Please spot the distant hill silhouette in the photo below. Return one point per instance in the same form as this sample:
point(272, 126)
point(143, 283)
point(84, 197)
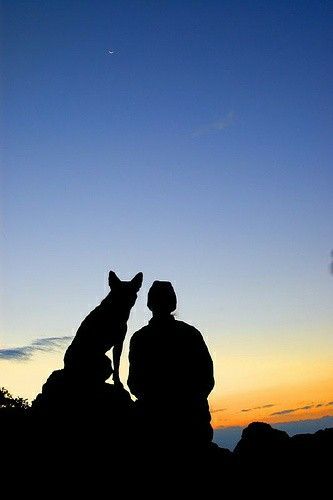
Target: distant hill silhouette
point(228, 437)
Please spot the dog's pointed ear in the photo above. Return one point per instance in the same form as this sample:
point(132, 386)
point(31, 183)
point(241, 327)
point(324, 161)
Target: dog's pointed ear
point(113, 279)
point(137, 281)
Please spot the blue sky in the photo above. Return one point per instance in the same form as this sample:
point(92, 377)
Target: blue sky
point(199, 152)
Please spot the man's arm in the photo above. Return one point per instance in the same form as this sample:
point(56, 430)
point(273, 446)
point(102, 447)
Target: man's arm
point(136, 376)
point(204, 369)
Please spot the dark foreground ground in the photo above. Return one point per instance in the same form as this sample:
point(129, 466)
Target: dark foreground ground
point(49, 460)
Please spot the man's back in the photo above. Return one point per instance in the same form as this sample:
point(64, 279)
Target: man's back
point(169, 359)
point(171, 374)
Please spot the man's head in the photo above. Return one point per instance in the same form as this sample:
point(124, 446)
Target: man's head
point(162, 298)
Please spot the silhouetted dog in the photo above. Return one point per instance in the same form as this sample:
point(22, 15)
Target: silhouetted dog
point(105, 327)
point(79, 389)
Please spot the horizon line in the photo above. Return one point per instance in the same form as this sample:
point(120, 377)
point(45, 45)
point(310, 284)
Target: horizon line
point(272, 423)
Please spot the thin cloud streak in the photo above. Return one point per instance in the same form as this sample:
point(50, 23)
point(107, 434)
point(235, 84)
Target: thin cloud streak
point(222, 124)
point(284, 412)
point(306, 407)
point(287, 411)
point(24, 353)
point(270, 405)
point(218, 410)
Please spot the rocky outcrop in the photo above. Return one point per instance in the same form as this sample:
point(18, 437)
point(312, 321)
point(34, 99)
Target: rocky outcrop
point(273, 452)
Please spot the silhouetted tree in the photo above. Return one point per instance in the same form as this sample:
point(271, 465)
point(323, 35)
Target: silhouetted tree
point(14, 417)
point(8, 401)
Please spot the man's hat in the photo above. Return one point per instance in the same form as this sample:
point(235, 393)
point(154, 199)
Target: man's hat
point(162, 297)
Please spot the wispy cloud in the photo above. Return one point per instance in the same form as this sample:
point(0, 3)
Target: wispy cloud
point(221, 124)
point(284, 412)
point(216, 411)
point(23, 353)
point(258, 407)
point(292, 410)
point(287, 411)
point(330, 403)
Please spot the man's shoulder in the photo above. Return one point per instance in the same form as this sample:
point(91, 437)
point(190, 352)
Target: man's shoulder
point(190, 329)
point(140, 333)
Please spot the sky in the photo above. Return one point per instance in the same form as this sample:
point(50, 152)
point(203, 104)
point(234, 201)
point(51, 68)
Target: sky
point(199, 151)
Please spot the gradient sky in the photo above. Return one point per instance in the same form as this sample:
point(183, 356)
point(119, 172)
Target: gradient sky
point(199, 152)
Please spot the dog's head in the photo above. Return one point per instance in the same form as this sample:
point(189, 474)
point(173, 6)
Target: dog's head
point(124, 293)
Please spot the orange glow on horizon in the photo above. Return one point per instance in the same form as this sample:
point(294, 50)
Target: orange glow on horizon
point(274, 405)
point(242, 393)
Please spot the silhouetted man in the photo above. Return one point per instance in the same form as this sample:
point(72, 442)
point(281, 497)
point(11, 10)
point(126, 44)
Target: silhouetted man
point(171, 374)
